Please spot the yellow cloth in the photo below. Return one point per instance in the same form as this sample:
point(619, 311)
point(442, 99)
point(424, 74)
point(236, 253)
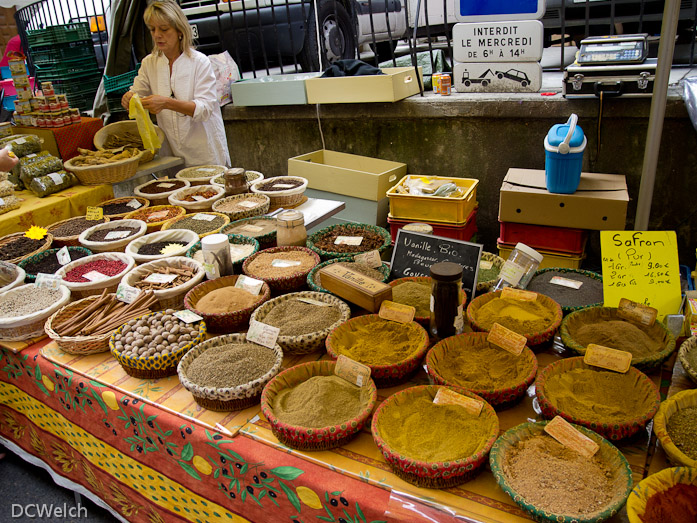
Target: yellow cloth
point(145, 126)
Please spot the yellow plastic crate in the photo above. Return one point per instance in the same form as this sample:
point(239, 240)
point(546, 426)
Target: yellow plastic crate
point(551, 259)
point(434, 208)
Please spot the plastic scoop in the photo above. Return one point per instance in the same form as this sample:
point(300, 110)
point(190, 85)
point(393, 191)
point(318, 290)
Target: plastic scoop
point(571, 122)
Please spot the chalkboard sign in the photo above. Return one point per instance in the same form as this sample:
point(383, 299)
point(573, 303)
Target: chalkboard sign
point(414, 253)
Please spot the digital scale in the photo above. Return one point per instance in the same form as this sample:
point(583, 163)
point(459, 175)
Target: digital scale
point(613, 50)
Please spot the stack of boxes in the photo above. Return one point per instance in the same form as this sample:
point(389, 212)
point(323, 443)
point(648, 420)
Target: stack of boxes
point(116, 86)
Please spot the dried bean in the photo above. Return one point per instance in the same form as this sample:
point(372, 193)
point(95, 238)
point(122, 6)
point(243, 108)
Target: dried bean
point(27, 300)
point(18, 247)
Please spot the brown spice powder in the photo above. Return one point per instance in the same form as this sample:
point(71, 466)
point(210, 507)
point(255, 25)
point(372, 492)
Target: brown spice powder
point(226, 299)
point(261, 266)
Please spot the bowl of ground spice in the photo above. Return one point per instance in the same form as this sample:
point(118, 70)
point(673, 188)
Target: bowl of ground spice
point(471, 362)
point(155, 217)
point(197, 198)
point(92, 274)
point(309, 407)
point(119, 207)
point(416, 292)
point(202, 223)
point(47, 261)
point(112, 236)
point(243, 205)
point(349, 238)
point(536, 320)
point(675, 425)
point(24, 309)
point(225, 308)
point(573, 289)
point(66, 233)
point(241, 248)
point(650, 346)
point(392, 350)
point(17, 247)
point(228, 373)
point(613, 404)
point(281, 190)
point(11, 276)
point(158, 191)
point(381, 273)
point(161, 244)
point(555, 483)
point(434, 445)
point(489, 268)
point(284, 269)
point(688, 357)
point(666, 496)
point(261, 228)
point(305, 319)
point(200, 174)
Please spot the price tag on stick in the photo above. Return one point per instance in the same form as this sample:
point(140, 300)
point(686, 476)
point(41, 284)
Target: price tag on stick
point(352, 371)
point(48, 281)
point(607, 358)
point(518, 294)
point(566, 434)
point(506, 339)
point(94, 213)
point(390, 310)
point(636, 312)
point(63, 256)
point(445, 396)
point(370, 258)
point(263, 334)
point(126, 293)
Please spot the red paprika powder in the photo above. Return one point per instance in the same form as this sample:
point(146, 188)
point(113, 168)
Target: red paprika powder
point(678, 504)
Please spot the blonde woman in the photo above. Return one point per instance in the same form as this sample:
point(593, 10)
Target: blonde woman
point(177, 83)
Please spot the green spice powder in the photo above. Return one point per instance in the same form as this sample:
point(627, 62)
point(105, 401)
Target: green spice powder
point(682, 429)
point(295, 317)
point(416, 294)
point(231, 365)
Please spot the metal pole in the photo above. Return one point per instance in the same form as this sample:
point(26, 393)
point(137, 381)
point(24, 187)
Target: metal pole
point(666, 47)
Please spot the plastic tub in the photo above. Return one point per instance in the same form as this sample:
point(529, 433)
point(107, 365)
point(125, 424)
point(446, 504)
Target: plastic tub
point(564, 146)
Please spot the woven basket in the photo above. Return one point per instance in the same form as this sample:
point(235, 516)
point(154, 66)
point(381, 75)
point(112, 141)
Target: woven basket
point(321, 438)
point(160, 198)
point(644, 387)
point(311, 341)
point(261, 200)
point(177, 198)
point(686, 355)
point(68, 241)
point(655, 484)
point(384, 375)
point(497, 261)
point(113, 172)
point(48, 240)
point(175, 235)
point(30, 326)
point(201, 174)
point(126, 126)
point(172, 224)
point(143, 201)
point(11, 276)
point(607, 452)
point(81, 345)
point(233, 239)
point(570, 273)
point(421, 320)
point(229, 321)
point(682, 400)
point(31, 277)
point(384, 269)
point(266, 241)
point(657, 331)
point(535, 339)
point(156, 225)
point(500, 397)
point(289, 283)
point(285, 197)
point(357, 229)
point(228, 398)
point(84, 289)
point(251, 176)
point(427, 473)
point(118, 245)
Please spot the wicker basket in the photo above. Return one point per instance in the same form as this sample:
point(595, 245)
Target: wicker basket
point(496, 261)
point(175, 235)
point(48, 240)
point(118, 245)
point(201, 174)
point(113, 172)
point(84, 289)
point(11, 276)
point(570, 273)
point(425, 280)
point(686, 355)
point(607, 452)
point(643, 387)
point(233, 239)
point(499, 398)
point(432, 474)
point(321, 438)
point(291, 282)
point(69, 241)
point(160, 198)
point(357, 229)
point(384, 269)
point(81, 345)
point(122, 127)
point(31, 277)
point(172, 224)
point(311, 341)
point(156, 225)
point(30, 326)
point(283, 198)
point(251, 176)
point(261, 200)
point(266, 240)
point(384, 375)
point(658, 332)
point(655, 484)
point(229, 321)
point(682, 400)
point(203, 205)
point(228, 398)
point(144, 203)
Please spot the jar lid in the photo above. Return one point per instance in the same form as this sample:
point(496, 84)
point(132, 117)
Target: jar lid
point(234, 171)
point(290, 218)
point(214, 241)
point(446, 271)
point(423, 228)
point(529, 251)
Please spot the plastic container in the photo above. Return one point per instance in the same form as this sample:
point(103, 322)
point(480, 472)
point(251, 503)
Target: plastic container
point(564, 146)
point(447, 300)
point(216, 255)
point(544, 237)
point(290, 228)
point(556, 259)
point(457, 231)
point(519, 268)
point(414, 207)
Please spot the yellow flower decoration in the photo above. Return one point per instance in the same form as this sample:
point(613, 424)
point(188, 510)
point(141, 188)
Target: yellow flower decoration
point(35, 233)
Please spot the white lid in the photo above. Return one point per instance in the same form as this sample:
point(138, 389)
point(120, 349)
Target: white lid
point(529, 251)
point(213, 242)
point(555, 148)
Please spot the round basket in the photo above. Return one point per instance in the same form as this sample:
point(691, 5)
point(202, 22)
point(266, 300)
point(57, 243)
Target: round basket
point(69, 241)
point(160, 198)
point(311, 341)
point(607, 452)
point(234, 239)
point(126, 126)
point(247, 227)
point(84, 289)
point(81, 345)
point(154, 367)
point(30, 277)
point(321, 438)
point(496, 261)
point(643, 387)
point(189, 238)
point(118, 245)
point(229, 321)
point(144, 203)
point(658, 332)
point(293, 281)
point(681, 400)
point(157, 223)
point(48, 240)
point(384, 375)
point(351, 229)
point(498, 397)
point(201, 174)
point(177, 198)
point(568, 292)
point(21, 328)
point(425, 280)
point(11, 276)
point(384, 270)
point(534, 338)
point(113, 172)
point(172, 298)
point(251, 176)
point(248, 205)
point(688, 357)
point(433, 474)
point(285, 197)
point(228, 398)
point(174, 223)
point(655, 484)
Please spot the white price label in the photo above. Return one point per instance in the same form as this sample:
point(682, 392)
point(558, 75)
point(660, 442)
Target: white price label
point(56, 177)
point(283, 185)
point(284, 263)
point(20, 141)
point(160, 278)
point(251, 228)
point(348, 240)
point(204, 217)
point(249, 204)
point(187, 316)
point(165, 185)
point(63, 256)
point(370, 258)
point(566, 282)
point(207, 170)
point(159, 215)
point(116, 235)
point(251, 285)
point(486, 264)
point(199, 198)
point(263, 334)
point(134, 204)
point(126, 293)
point(95, 276)
point(48, 281)
point(313, 302)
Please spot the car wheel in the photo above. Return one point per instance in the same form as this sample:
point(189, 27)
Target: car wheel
point(485, 83)
point(467, 83)
point(499, 76)
point(524, 83)
point(336, 34)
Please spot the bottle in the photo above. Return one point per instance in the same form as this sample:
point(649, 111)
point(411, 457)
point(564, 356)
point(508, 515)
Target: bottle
point(290, 228)
point(235, 181)
point(447, 300)
point(519, 268)
point(217, 260)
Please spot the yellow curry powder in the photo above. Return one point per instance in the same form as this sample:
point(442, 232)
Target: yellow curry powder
point(419, 429)
point(380, 342)
point(523, 317)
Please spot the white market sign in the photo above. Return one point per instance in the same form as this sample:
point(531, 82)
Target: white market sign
point(493, 10)
point(517, 41)
point(501, 77)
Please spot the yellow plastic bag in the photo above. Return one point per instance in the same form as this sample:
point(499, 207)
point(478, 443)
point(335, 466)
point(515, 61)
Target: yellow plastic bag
point(145, 125)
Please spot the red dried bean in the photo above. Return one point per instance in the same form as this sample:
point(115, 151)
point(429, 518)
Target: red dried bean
point(107, 267)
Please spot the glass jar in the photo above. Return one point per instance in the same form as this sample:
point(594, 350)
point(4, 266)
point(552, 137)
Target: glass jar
point(447, 300)
point(519, 268)
point(290, 228)
point(235, 181)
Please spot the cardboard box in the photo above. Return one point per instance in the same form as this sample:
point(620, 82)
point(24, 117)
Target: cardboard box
point(397, 83)
point(347, 174)
point(600, 203)
point(357, 210)
point(284, 89)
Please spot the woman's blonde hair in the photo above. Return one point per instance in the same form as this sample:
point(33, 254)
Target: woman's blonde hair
point(170, 13)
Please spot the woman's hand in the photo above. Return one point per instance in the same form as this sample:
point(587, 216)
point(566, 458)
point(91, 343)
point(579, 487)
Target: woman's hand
point(125, 99)
point(155, 103)
point(7, 160)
